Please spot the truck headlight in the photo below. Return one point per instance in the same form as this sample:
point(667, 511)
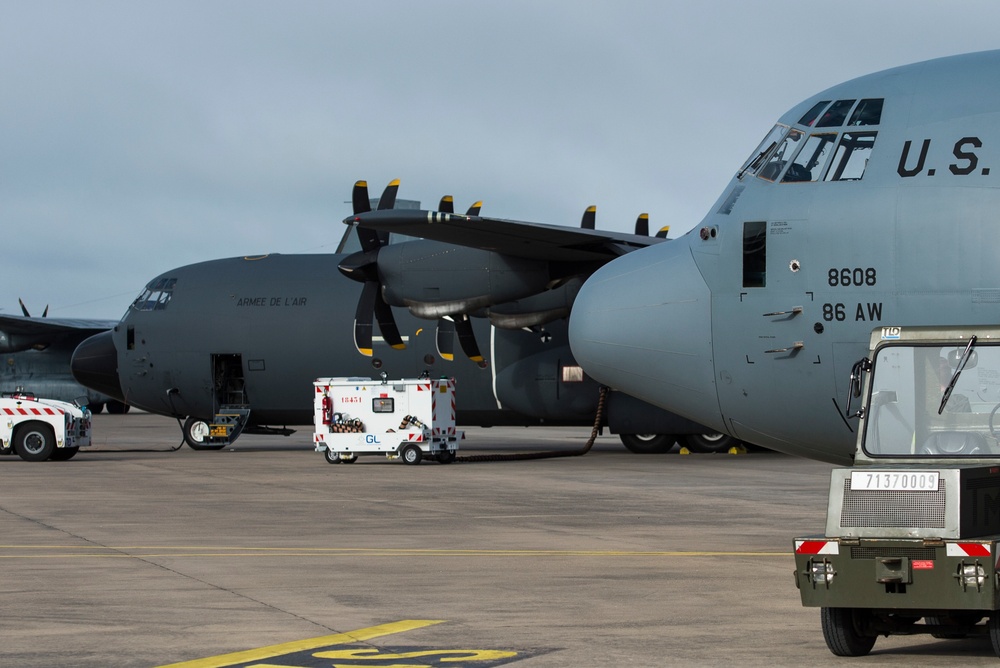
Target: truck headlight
point(821, 572)
point(971, 575)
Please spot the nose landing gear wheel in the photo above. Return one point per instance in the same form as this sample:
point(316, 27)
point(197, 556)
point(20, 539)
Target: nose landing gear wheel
point(196, 433)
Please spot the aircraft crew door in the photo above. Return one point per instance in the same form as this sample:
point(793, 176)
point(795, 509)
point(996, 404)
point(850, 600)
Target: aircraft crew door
point(228, 380)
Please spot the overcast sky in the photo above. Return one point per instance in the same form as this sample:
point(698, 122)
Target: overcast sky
point(140, 136)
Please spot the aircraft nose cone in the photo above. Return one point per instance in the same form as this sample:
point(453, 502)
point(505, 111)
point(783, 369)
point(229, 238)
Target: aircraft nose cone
point(95, 365)
point(642, 324)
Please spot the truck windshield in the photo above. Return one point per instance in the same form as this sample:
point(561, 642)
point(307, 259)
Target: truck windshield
point(921, 407)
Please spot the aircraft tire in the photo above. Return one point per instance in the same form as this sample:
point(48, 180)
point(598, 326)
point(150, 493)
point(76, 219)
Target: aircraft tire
point(706, 443)
point(195, 431)
point(648, 444)
point(843, 634)
point(412, 454)
point(95, 408)
point(64, 454)
point(117, 407)
point(34, 441)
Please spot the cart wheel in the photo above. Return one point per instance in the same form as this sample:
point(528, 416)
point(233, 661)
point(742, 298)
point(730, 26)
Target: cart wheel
point(446, 457)
point(412, 454)
point(331, 456)
point(349, 460)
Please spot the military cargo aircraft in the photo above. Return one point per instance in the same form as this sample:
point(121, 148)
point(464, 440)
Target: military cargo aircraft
point(872, 203)
point(246, 337)
point(37, 353)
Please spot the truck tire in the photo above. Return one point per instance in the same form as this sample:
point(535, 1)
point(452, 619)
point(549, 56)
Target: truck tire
point(195, 433)
point(34, 441)
point(994, 625)
point(708, 443)
point(331, 456)
point(447, 456)
point(64, 454)
point(843, 630)
point(412, 454)
point(648, 444)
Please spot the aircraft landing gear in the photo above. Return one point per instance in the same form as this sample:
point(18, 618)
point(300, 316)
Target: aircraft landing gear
point(706, 443)
point(648, 444)
point(196, 432)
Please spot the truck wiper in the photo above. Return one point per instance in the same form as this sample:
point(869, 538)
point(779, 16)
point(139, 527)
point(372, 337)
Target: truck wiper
point(958, 372)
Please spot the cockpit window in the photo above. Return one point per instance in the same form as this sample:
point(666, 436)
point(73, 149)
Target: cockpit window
point(780, 156)
point(851, 158)
point(757, 158)
point(868, 112)
point(811, 115)
point(835, 115)
point(156, 296)
point(808, 164)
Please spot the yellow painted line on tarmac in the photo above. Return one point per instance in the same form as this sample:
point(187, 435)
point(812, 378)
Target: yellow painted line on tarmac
point(305, 645)
point(145, 552)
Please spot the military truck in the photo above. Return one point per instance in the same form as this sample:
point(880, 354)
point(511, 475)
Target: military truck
point(913, 528)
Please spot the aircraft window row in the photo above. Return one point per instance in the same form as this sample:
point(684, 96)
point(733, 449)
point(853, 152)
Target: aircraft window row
point(798, 158)
point(156, 296)
point(827, 114)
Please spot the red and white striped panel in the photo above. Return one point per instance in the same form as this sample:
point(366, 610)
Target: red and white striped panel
point(817, 547)
point(967, 549)
point(32, 411)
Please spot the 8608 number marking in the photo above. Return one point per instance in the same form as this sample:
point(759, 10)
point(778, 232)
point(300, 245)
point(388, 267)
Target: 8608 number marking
point(851, 277)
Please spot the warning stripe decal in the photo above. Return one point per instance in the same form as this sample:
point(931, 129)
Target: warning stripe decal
point(817, 547)
point(967, 549)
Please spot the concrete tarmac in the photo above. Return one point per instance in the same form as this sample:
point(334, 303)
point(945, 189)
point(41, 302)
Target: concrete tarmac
point(134, 555)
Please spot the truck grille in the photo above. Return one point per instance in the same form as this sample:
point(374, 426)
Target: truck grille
point(884, 508)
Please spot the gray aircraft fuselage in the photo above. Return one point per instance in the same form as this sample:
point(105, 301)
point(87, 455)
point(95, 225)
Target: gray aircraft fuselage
point(280, 321)
point(751, 322)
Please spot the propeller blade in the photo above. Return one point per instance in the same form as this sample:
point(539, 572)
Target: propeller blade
point(24, 309)
point(45, 313)
point(363, 318)
point(447, 204)
point(589, 218)
point(444, 337)
point(642, 224)
point(359, 198)
point(475, 208)
point(386, 323)
point(467, 339)
point(662, 234)
point(388, 198)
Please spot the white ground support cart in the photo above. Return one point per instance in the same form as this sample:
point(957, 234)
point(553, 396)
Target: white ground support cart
point(40, 429)
point(411, 418)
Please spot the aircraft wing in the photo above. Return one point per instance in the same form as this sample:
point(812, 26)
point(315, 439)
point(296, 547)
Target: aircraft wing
point(19, 333)
point(535, 241)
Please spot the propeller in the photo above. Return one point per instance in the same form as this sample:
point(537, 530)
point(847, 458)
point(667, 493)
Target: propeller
point(447, 205)
point(24, 309)
point(363, 267)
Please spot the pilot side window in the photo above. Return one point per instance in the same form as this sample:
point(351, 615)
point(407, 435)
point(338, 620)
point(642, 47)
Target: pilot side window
point(781, 156)
point(758, 157)
point(851, 158)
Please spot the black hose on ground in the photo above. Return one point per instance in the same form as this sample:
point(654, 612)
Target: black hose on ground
point(521, 456)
